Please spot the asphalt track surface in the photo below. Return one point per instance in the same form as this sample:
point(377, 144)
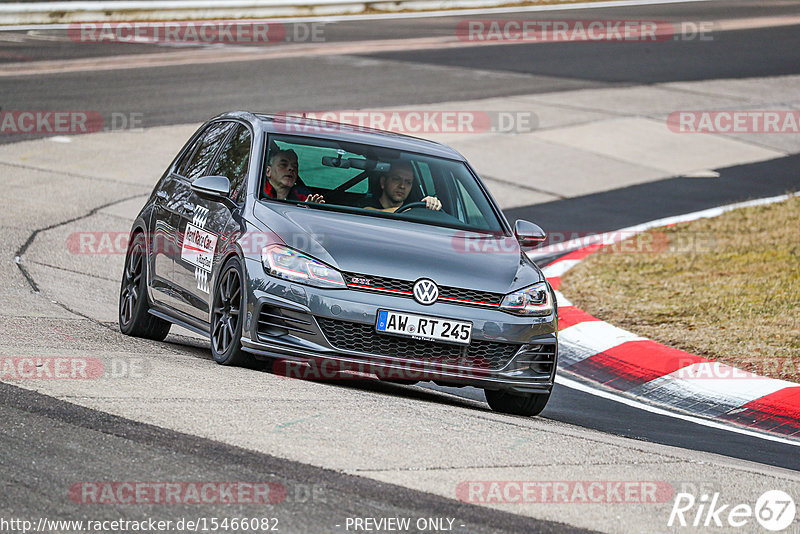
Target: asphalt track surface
point(40, 432)
point(44, 440)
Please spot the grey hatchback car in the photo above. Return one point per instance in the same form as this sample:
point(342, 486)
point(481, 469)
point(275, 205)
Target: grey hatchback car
point(324, 246)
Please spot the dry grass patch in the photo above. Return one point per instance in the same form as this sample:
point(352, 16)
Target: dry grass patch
point(726, 288)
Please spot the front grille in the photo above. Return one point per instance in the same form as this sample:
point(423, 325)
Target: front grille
point(379, 282)
point(489, 355)
point(470, 295)
point(405, 288)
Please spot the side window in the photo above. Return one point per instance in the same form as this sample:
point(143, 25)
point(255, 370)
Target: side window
point(187, 156)
point(207, 146)
point(424, 171)
point(233, 161)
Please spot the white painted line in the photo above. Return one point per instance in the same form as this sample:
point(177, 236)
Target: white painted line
point(561, 299)
point(712, 399)
point(573, 384)
point(183, 4)
point(716, 387)
point(559, 267)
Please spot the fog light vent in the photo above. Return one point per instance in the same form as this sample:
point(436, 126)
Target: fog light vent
point(538, 358)
point(275, 321)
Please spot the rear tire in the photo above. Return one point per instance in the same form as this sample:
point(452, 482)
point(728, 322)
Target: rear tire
point(226, 315)
point(526, 405)
point(134, 319)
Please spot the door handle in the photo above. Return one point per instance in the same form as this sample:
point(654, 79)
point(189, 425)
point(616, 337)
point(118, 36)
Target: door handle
point(188, 207)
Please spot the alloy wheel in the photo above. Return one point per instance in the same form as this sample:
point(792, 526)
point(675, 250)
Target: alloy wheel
point(227, 306)
point(131, 285)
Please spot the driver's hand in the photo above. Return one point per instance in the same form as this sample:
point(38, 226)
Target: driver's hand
point(432, 203)
point(315, 197)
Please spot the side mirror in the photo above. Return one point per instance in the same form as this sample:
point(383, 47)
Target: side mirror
point(528, 234)
point(215, 188)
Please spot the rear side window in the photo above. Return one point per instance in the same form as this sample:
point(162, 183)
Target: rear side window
point(234, 159)
point(203, 152)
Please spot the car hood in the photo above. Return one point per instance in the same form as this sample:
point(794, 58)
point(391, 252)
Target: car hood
point(399, 249)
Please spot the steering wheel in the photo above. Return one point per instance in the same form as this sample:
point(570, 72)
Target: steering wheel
point(411, 205)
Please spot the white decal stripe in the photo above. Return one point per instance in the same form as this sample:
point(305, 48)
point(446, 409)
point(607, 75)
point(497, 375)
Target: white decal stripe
point(202, 279)
point(200, 216)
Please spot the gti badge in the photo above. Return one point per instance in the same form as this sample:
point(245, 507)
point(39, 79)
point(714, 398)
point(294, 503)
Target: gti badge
point(426, 291)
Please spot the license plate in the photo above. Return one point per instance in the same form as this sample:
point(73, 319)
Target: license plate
point(424, 327)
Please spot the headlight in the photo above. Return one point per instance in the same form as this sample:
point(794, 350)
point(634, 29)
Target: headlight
point(289, 264)
point(533, 300)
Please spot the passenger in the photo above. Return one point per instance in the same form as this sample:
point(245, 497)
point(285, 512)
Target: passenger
point(396, 186)
point(282, 177)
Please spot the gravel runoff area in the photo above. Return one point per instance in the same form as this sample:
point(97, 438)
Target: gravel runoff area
point(725, 288)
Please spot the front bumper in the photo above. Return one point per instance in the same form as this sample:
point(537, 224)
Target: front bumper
point(305, 324)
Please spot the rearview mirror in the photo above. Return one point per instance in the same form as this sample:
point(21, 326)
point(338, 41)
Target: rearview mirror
point(528, 234)
point(212, 188)
point(355, 163)
point(341, 163)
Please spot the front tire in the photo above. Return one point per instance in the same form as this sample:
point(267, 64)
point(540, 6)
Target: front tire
point(526, 405)
point(226, 315)
point(134, 319)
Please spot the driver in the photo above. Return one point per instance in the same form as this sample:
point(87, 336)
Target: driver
point(282, 177)
point(395, 188)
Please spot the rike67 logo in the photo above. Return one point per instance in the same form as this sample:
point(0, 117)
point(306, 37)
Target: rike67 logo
point(774, 510)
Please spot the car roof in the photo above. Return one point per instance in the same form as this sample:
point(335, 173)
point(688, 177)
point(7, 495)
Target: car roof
point(309, 127)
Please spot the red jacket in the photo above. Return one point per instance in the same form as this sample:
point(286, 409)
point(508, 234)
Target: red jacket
point(297, 192)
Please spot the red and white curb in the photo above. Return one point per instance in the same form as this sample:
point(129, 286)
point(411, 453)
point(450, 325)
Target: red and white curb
point(655, 374)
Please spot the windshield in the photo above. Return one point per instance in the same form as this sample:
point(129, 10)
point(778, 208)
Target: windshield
point(376, 181)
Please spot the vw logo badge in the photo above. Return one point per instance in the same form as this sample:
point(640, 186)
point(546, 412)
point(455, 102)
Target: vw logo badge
point(426, 291)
